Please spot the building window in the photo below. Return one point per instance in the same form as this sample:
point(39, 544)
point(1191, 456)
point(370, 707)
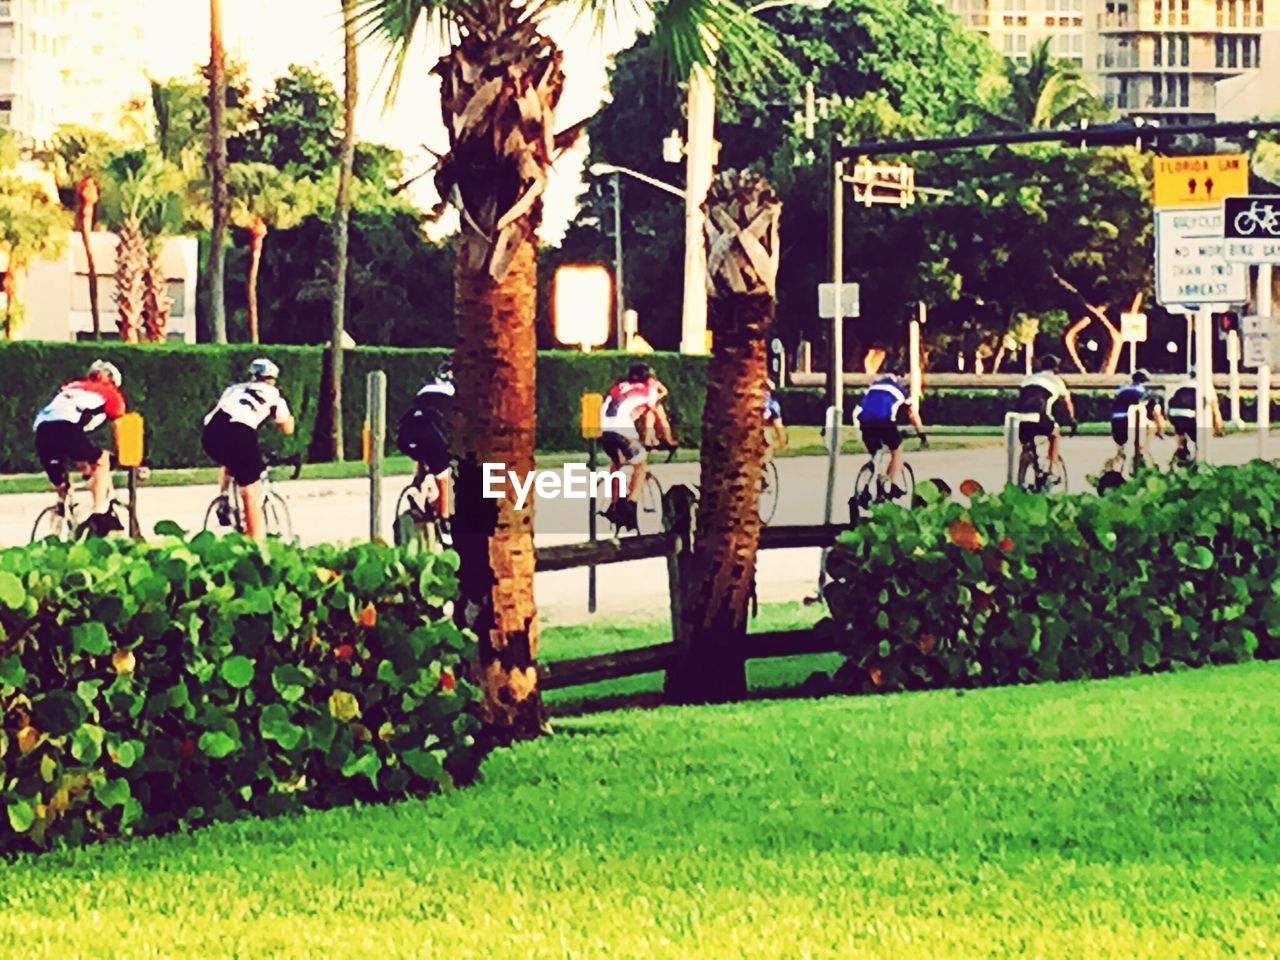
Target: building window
point(1233, 54)
point(1157, 92)
point(1220, 18)
point(1258, 21)
point(1158, 60)
point(1008, 43)
point(1246, 54)
point(178, 294)
point(1248, 13)
point(1186, 13)
point(1159, 12)
point(1233, 19)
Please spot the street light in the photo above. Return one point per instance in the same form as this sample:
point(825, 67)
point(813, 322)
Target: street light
point(700, 155)
point(609, 169)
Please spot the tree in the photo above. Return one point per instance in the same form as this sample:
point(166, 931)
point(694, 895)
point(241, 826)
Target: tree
point(83, 152)
point(342, 225)
point(296, 125)
point(220, 201)
point(501, 83)
point(1045, 93)
point(742, 261)
point(32, 224)
point(142, 202)
point(266, 199)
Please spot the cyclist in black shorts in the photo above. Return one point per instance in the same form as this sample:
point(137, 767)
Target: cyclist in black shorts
point(1138, 392)
point(1037, 395)
point(1182, 413)
point(423, 434)
point(230, 439)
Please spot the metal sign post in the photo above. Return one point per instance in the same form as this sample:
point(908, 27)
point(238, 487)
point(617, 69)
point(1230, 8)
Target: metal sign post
point(591, 407)
point(1012, 443)
point(1204, 382)
point(833, 460)
point(1265, 308)
point(837, 288)
point(913, 351)
point(376, 404)
point(1233, 373)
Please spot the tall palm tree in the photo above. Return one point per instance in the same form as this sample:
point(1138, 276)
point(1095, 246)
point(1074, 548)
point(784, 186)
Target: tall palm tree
point(1044, 93)
point(501, 82)
point(218, 173)
point(83, 152)
point(342, 224)
point(742, 262)
point(266, 199)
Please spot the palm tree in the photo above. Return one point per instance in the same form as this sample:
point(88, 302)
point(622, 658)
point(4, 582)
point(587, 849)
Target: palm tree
point(501, 83)
point(142, 202)
point(742, 262)
point(83, 153)
point(342, 225)
point(218, 172)
point(1044, 93)
point(266, 199)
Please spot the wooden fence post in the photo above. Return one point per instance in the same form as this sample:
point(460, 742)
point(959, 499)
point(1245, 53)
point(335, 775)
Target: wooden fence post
point(677, 518)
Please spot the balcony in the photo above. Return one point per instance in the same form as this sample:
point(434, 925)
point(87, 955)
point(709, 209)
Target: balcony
point(1117, 21)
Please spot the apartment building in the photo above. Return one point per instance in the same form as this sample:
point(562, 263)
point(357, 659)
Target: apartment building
point(68, 61)
point(1161, 59)
point(1014, 27)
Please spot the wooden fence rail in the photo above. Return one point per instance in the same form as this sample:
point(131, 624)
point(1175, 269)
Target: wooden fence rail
point(675, 545)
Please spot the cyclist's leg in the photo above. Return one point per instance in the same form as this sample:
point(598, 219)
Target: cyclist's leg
point(100, 481)
point(1055, 439)
point(893, 440)
point(663, 424)
point(251, 502)
point(50, 448)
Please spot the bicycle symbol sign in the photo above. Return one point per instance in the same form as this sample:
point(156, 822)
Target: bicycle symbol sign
point(1251, 229)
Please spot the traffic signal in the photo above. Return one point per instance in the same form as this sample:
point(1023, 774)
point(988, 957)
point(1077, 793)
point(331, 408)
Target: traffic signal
point(1226, 323)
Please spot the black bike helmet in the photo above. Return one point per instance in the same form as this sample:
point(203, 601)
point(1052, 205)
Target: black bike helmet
point(639, 373)
point(1049, 362)
point(1141, 376)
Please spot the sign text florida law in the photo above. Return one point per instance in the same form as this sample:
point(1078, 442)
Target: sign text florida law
point(573, 481)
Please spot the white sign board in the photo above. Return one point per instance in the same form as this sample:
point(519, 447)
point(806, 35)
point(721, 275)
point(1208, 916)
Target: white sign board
point(850, 300)
point(1190, 266)
point(1260, 341)
point(1253, 250)
point(1133, 327)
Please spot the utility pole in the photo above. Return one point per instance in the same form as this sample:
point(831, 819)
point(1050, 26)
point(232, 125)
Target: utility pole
point(218, 174)
point(619, 288)
point(699, 168)
point(1265, 309)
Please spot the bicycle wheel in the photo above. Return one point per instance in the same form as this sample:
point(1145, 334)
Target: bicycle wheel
point(863, 486)
point(1028, 468)
point(649, 508)
point(52, 522)
point(908, 497)
point(275, 515)
point(770, 491)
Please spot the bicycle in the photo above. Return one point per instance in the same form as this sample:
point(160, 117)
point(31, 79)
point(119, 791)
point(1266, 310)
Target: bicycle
point(1263, 218)
point(648, 510)
point(66, 519)
point(226, 512)
point(872, 484)
point(416, 520)
point(1033, 474)
point(770, 491)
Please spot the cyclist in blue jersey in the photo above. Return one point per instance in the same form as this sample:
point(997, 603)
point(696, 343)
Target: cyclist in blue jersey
point(877, 418)
point(1138, 392)
point(775, 429)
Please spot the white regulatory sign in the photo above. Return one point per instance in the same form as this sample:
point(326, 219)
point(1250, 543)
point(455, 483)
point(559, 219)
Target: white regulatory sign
point(850, 300)
point(1237, 250)
point(1190, 266)
point(1260, 342)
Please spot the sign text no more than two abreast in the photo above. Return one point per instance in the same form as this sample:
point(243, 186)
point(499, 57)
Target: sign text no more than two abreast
point(1191, 266)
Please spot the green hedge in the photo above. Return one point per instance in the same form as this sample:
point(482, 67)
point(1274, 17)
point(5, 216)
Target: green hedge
point(157, 686)
point(174, 386)
point(1182, 568)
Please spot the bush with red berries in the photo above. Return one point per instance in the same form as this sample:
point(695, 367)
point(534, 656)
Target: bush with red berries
point(1017, 587)
point(147, 687)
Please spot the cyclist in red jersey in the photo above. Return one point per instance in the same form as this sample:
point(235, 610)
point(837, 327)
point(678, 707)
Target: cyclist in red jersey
point(626, 407)
point(64, 425)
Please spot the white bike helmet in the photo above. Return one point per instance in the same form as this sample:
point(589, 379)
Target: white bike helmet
point(108, 371)
point(264, 369)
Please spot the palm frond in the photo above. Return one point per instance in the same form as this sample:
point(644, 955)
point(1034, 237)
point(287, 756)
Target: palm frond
point(695, 33)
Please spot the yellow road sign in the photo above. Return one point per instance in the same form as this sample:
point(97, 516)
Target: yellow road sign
point(1200, 181)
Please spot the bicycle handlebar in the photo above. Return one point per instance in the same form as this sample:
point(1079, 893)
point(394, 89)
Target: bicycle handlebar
point(293, 460)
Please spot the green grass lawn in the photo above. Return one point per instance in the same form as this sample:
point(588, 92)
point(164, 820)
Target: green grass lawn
point(1135, 818)
point(764, 677)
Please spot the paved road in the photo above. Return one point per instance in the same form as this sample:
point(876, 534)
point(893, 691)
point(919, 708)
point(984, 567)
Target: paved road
point(337, 510)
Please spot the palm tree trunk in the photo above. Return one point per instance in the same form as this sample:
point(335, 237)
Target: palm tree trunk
point(218, 174)
point(495, 357)
point(742, 229)
point(156, 303)
point(257, 236)
point(131, 258)
point(87, 194)
point(342, 230)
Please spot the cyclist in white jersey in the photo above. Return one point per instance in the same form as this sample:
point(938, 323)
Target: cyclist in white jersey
point(230, 438)
point(621, 418)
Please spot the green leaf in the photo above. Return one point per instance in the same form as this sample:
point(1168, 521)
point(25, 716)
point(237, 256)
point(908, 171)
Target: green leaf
point(425, 764)
point(290, 682)
point(128, 753)
point(22, 814)
point(59, 712)
point(90, 638)
point(113, 793)
point(368, 576)
point(167, 528)
point(215, 744)
point(12, 594)
point(86, 743)
point(366, 763)
point(12, 672)
point(275, 724)
point(237, 671)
